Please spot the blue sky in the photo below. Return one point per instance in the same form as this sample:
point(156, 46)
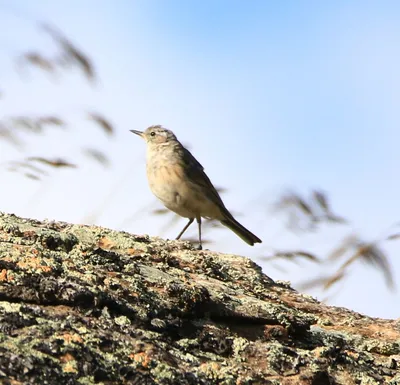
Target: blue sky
point(269, 96)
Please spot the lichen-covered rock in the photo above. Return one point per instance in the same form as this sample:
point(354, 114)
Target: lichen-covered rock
point(85, 305)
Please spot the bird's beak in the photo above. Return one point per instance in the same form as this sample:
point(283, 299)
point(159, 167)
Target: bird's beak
point(140, 133)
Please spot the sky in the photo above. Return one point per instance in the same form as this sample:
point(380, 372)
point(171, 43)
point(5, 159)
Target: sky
point(269, 96)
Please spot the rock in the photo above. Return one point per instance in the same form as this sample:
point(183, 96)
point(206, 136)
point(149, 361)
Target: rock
point(85, 305)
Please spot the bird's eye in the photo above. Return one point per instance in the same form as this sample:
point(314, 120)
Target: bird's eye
point(152, 133)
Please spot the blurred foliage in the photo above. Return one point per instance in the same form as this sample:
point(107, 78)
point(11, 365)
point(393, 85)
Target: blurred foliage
point(16, 130)
point(306, 215)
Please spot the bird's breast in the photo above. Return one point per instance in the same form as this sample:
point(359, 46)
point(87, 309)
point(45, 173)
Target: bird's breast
point(167, 183)
point(172, 185)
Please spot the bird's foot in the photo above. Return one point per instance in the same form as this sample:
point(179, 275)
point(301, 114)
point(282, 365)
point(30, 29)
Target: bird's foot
point(199, 247)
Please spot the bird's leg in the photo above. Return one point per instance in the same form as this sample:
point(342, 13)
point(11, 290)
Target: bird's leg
point(185, 228)
point(198, 219)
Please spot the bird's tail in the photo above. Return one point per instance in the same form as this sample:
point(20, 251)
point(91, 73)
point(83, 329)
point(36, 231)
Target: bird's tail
point(232, 224)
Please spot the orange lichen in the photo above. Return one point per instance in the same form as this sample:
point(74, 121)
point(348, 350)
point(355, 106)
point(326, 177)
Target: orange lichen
point(67, 357)
point(33, 263)
point(69, 363)
point(141, 358)
point(106, 244)
point(3, 275)
point(68, 338)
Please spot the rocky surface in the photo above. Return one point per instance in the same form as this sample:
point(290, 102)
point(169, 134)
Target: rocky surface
point(85, 304)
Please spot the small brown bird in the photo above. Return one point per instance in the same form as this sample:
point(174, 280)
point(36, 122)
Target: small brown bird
point(178, 180)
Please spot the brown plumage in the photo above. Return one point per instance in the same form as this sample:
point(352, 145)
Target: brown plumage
point(179, 181)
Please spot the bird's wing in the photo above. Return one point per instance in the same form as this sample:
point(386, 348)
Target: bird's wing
point(190, 160)
point(195, 172)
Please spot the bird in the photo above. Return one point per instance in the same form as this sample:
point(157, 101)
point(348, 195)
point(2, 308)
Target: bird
point(178, 180)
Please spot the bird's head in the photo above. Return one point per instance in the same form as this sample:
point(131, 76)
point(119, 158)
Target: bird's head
point(156, 135)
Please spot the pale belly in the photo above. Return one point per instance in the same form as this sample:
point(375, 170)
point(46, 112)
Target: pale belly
point(180, 195)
